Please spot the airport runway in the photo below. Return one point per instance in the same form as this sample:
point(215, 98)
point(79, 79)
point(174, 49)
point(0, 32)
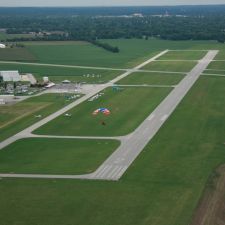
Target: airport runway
point(96, 89)
point(114, 167)
point(131, 145)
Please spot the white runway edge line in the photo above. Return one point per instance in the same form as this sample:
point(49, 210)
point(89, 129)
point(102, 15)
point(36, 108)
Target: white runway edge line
point(135, 142)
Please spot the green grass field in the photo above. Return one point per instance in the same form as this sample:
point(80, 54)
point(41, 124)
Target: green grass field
point(58, 74)
point(183, 55)
point(217, 72)
point(87, 54)
point(4, 36)
point(132, 51)
point(162, 186)
point(152, 78)
point(55, 156)
point(16, 54)
point(124, 118)
point(14, 118)
point(217, 65)
point(169, 66)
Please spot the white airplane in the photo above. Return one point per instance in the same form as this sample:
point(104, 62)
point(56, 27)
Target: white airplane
point(38, 116)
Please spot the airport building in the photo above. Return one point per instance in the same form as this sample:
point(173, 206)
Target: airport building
point(2, 46)
point(10, 76)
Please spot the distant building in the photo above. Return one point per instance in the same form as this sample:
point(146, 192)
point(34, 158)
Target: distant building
point(2, 46)
point(137, 15)
point(45, 80)
point(8, 76)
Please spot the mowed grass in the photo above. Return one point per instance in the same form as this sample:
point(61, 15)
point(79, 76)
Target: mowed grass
point(217, 65)
point(55, 156)
point(14, 118)
point(216, 72)
point(132, 51)
point(163, 186)
point(183, 55)
point(16, 54)
point(58, 74)
point(128, 107)
point(152, 78)
point(87, 54)
point(171, 66)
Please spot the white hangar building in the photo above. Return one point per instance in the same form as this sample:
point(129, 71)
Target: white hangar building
point(12, 76)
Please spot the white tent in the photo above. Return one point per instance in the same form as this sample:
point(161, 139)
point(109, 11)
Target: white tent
point(66, 82)
point(2, 46)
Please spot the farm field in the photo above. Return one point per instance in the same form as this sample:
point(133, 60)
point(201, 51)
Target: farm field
point(4, 36)
point(16, 54)
point(183, 55)
point(163, 186)
point(55, 156)
point(171, 66)
point(90, 55)
point(122, 120)
point(132, 51)
point(152, 78)
point(58, 74)
point(14, 118)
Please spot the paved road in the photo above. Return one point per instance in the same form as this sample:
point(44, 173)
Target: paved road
point(98, 88)
point(132, 145)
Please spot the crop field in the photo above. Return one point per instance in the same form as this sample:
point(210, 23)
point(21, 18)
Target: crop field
point(14, 118)
point(171, 66)
point(132, 52)
point(122, 120)
point(4, 36)
point(58, 74)
point(16, 54)
point(162, 186)
point(183, 55)
point(55, 156)
point(153, 78)
point(90, 55)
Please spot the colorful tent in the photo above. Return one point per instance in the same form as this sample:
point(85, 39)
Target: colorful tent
point(101, 110)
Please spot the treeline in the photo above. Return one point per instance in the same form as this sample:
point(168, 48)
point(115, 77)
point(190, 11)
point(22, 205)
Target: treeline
point(208, 27)
point(193, 10)
point(105, 46)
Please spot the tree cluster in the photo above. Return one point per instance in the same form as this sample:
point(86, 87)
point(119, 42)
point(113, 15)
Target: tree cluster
point(105, 46)
point(207, 27)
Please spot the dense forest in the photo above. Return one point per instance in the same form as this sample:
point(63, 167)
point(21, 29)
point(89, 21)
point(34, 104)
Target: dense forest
point(91, 24)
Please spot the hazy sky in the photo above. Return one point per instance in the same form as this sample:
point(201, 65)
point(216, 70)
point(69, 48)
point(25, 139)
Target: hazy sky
point(104, 2)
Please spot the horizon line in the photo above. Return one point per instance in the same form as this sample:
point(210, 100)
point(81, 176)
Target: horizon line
point(106, 6)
